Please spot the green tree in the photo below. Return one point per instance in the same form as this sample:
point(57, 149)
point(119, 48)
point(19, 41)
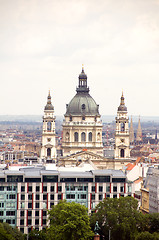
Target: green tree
point(9, 233)
point(69, 221)
point(147, 236)
point(38, 235)
point(119, 216)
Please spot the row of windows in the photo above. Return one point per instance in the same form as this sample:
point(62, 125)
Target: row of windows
point(37, 197)
point(30, 213)
point(38, 189)
point(30, 222)
point(37, 204)
point(55, 179)
point(79, 196)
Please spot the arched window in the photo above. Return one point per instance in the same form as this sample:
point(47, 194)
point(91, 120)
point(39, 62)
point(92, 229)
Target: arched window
point(67, 137)
point(90, 137)
point(49, 152)
point(122, 127)
point(83, 137)
point(98, 136)
point(76, 136)
point(122, 153)
point(49, 126)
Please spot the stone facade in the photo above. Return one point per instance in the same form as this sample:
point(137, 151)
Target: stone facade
point(48, 149)
point(122, 142)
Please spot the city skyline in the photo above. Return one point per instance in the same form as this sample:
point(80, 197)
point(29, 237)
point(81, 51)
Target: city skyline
point(44, 44)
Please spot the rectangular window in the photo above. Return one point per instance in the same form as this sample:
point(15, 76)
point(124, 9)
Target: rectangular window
point(22, 188)
point(29, 213)
point(93, 196)
point(83, 196)
point(37, 197)
point(67, 179)
point(51, 178)
point(52, 196)
point(52, 189)
point(59, 188)
point(70, 196)
point(12, 196)
point(36, 213)
point(22, 213)
point(1, 213)
point(29, 205)
point(100, 189)
point(10, 213)
point(114, 188)
point(84, 179)
point(30, 189)
point(9, 188)
point(118, 180)
point(122, 189)
point(44, 221)
point(51, 204)
point(1, 188)
point(14, 178)
point(107, 188)
point(45, 197)
point(100, 197)
point(29, 221)
point(36, 221)
point(2, 179)
point(93, 188)
point(32, 179)
point(44, 188)
point(36, 205)
point(29, 196)
point(115, 196)
point(59, 197)
point(102, 178)
point(37, 188)
point(44, 213)
point(1, 205)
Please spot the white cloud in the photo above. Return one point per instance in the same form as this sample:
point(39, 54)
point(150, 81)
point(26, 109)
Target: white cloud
point(44, 43)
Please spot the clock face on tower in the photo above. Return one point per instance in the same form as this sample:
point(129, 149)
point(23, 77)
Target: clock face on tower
point(122, 140)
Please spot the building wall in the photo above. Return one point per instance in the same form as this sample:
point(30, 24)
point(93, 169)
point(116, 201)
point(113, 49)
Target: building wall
point(37, 192)
point(77, 125)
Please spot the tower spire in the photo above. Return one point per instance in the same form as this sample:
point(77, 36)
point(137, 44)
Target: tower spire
point(139, 132)
point(131, 131)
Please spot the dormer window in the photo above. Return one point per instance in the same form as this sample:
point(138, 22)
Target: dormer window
point(83, 106)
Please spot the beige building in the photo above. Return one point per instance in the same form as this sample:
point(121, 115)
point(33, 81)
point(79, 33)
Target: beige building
point(82, 126)
point(48, 149)
point(122, 142)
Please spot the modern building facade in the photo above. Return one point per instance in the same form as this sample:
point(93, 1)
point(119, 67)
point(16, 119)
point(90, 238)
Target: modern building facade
point(82, 126)
point(48, 149)
point(27, 194)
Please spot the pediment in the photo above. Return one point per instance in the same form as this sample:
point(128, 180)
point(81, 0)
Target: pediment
point(84, 156)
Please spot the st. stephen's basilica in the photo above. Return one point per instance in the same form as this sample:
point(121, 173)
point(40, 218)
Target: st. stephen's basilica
point(82, 132)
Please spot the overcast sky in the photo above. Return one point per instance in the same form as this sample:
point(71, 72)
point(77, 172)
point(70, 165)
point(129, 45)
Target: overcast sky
point(43, 44)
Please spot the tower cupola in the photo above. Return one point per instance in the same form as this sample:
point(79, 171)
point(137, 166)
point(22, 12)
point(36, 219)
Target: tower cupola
point(82, 84)
point(49, 105)
point(122, 106)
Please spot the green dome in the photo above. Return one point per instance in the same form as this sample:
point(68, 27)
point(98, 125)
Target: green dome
point(82, 104)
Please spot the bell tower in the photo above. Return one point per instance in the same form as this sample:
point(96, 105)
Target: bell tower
point(48, 149)
point(122, 142)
